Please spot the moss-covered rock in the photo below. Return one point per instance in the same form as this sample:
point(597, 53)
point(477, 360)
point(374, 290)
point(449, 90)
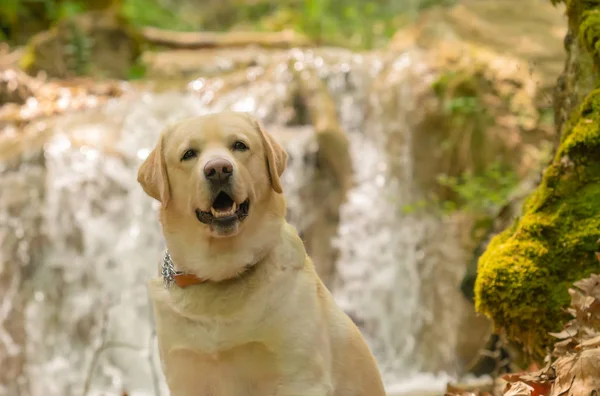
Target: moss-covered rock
point(524, 275)
point(526, 271)
point(486, 127)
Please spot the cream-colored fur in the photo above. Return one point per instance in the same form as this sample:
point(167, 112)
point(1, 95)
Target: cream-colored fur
point(271, 331)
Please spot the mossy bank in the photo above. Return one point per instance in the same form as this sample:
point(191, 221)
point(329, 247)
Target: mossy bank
point(524, 275)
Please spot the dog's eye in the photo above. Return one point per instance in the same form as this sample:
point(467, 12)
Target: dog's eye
point(239, 146)
point(191, 153)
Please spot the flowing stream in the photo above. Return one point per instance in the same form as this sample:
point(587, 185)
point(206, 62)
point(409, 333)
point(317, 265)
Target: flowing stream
point(87, 236)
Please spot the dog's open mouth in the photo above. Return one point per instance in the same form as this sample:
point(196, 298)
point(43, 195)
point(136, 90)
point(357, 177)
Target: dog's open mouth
point(223, 210)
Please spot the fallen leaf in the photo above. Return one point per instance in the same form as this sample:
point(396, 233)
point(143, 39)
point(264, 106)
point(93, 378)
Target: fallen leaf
point(514, 377)
point(590, 285)
point(563, 381)
point(578, 374)
point(539, 381)
point(519, 389)
point(566, 333)
point(591, 343)
point(564, 346)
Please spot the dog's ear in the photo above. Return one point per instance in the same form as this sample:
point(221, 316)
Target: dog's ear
point(276, 157)
point(152, 174)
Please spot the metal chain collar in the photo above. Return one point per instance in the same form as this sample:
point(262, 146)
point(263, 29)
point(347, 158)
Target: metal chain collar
point(168, 270)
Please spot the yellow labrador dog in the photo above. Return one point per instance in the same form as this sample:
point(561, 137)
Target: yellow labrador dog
point(240, 310)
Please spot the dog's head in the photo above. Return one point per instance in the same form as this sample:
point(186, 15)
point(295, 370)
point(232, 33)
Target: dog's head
point(221, 170)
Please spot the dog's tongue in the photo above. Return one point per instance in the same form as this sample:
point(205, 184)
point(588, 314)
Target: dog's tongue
point(223, 206)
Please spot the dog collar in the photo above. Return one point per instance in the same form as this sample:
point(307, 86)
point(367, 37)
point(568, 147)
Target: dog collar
point(180, 278)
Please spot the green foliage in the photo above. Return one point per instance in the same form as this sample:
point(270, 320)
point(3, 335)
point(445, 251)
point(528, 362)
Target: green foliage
point(152, 13)
point(14, 12)
point(463, 105)
point(459, 94)
point(78, 50)
point(481, 193)
point(354, 23)
point(64, 10)
point(350, 23)
point(19, 19)
point(415, 206)
point(10, 10)
point(137, 71)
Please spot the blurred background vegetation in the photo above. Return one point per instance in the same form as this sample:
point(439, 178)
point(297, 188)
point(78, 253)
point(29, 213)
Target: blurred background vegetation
point(357, 24)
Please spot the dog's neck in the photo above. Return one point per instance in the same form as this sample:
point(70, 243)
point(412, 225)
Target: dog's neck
point(220, 260)
point(182, 279)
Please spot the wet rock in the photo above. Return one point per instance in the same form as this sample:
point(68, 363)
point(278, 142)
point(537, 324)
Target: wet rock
point(484, 109)
point(189, 64)
point(468, 109)
point(30, 99)
point(95, 43)
point(15, 87)
point(527, 30)
point(334, 169)
point(493, 70)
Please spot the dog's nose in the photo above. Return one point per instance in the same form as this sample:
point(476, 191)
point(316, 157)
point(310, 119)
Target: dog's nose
point(218, 169)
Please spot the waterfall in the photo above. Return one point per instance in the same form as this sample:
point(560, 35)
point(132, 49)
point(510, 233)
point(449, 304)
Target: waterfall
point(384, 250)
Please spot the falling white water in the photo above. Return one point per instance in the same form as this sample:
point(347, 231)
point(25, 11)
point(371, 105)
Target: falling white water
point(89, 323)
point(378, 278)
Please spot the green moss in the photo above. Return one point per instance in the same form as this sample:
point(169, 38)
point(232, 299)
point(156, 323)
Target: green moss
point(526, 271)
point(589, 32)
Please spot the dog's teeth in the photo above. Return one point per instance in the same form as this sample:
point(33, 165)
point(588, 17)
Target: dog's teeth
point(224, 213)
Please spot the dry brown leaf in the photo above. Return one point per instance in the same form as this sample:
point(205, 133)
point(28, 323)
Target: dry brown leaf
point(566, 333)
point(466, 390)
point(563, 381)
point(576, 372)
point(590, 286)
point(578, 375)
point(461, 394)
point(591, 343)
point(519, 389)
point(540, 382)
point(577, 300)
point(564, 346)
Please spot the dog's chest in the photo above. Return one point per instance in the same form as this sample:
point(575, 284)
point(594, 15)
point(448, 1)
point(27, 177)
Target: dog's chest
point(245, 370)
point(212, 336)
